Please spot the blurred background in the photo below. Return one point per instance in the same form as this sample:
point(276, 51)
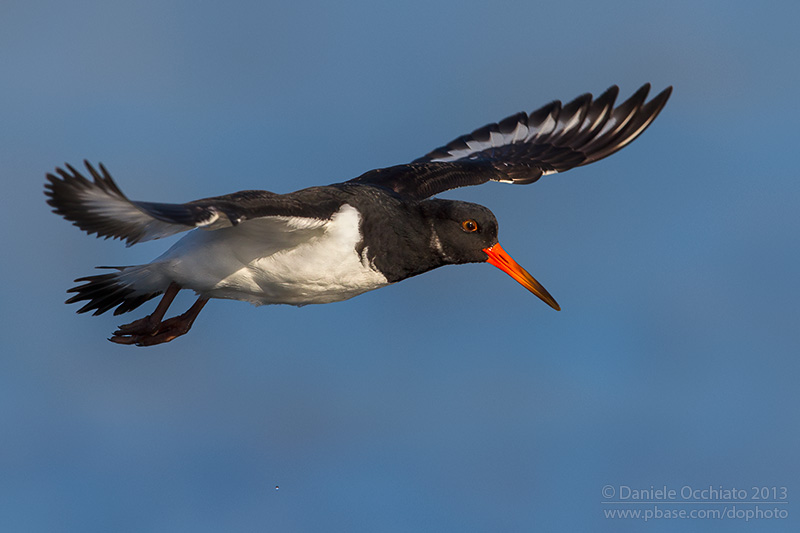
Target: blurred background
point(454, 401)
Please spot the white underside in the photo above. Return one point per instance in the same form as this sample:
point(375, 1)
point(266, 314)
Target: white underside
point(270, 260)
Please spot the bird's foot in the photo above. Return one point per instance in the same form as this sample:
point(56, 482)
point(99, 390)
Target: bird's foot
point(144, 326)
point(142, 335)
point(149, 331)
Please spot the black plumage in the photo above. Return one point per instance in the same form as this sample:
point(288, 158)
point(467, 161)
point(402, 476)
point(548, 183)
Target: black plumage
point(329, 243)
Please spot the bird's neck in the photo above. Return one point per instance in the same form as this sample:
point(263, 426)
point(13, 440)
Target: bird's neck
point(407, 247)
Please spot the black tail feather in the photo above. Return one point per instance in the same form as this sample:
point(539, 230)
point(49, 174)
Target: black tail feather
point(106, 291)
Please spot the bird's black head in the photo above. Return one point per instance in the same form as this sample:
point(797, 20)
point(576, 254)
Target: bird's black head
point(463, 232)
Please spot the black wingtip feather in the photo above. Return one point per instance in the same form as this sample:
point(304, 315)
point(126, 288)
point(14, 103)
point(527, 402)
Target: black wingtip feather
point(66, 192)
point(99, 207)
point(554, 138)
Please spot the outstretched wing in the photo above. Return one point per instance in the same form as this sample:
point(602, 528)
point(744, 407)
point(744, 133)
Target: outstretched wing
point(100, 207)
point(523, 147)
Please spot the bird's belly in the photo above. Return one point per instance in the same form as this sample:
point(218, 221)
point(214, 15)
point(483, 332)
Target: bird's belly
point(300, 278)
point(263, 262)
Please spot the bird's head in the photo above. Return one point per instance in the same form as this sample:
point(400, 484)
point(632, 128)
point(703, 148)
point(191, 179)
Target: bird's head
point(464, 232)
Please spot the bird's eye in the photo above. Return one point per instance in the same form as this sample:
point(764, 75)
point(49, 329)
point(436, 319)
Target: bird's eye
point(470, 226)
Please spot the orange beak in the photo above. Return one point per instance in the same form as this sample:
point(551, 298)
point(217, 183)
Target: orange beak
point(499, 258)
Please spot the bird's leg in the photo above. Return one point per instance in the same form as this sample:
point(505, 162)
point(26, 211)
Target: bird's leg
point(175, 326)
point(149, 324)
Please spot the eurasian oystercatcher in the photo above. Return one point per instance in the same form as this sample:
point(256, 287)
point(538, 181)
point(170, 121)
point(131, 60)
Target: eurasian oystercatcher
point(326, 244)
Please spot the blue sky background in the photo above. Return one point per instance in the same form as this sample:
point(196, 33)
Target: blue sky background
point(455, 401)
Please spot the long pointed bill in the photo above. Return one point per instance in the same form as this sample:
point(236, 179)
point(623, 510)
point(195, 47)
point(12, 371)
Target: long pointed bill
point(499, 258)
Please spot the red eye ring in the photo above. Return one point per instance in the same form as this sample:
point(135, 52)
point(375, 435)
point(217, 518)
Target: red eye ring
point(469, 225)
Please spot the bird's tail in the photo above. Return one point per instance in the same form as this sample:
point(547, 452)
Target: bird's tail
point(117, 289)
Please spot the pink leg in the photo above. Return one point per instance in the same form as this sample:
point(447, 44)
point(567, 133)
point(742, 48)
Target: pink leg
point(153, 329)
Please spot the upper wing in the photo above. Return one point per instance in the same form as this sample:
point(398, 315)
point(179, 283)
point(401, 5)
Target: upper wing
point(100, 207)
point(523, 147)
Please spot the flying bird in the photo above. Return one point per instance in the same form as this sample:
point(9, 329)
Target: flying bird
point(330, 243)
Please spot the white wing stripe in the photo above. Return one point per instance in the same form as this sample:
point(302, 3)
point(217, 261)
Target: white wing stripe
point(520, 133)
point(546, 128)
point(104, 205)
